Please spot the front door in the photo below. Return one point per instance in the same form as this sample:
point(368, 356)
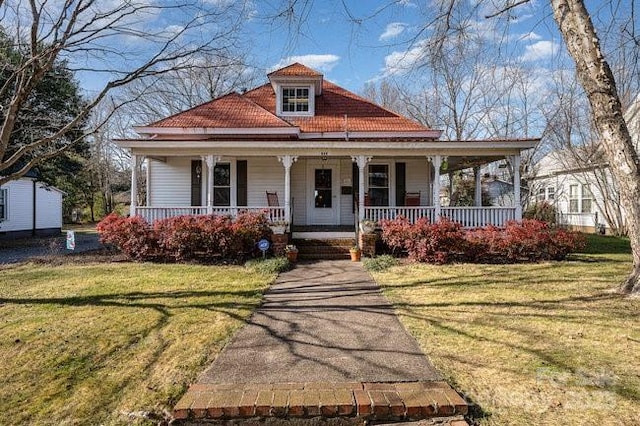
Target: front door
point(323, 201)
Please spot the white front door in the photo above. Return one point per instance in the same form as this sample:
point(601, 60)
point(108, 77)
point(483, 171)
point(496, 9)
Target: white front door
point(323, 200)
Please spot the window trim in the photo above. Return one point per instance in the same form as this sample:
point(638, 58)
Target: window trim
point(4, 194)
point(229, 187)
point(295, 85)
point(574, 197)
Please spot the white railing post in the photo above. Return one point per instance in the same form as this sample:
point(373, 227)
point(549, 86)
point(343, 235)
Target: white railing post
point(287, 161)
point(436, 162)
point(361, 161)
point(134, 185)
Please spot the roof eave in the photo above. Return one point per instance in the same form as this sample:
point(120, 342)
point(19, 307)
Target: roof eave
point(221, 131)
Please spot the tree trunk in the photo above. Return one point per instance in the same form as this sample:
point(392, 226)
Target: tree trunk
point(598, 82)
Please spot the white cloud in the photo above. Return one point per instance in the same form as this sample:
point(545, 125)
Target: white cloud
point(530, 36)
point(406, 3)
point(401, 62)
point(393, 30)
point(319, 62)
point(539, 50)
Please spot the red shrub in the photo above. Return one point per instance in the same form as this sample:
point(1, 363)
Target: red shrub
point(204, 238)
point(132, 235)
point(529, 240)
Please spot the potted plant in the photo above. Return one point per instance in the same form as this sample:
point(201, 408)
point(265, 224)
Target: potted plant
point(279, 226)
point(355, 253)
point(367, 226)
point(292, 252)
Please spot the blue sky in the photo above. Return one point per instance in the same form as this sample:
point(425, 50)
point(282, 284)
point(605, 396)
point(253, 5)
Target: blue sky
point(385, 44)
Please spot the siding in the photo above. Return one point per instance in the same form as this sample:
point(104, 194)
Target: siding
point(265, 174)
point(20, 207)
point(418, 179)
point(170, 183)
point(299, 191)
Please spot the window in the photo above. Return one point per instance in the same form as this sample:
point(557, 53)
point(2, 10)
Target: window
point(295, 99)
point(573, 199)
point(587, 199)
point(540, 194)
point(3, 204)
point(551, 193)
point(379, 184)
point(323, 185)
point(222, 185)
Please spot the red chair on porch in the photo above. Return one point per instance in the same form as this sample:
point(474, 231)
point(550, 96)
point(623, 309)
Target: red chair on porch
point(412, 199)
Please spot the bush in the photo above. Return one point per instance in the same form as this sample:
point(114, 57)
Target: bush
point(542, 211)
point(379, 263)
point(274, 265)
point(529, 240)
point(132, 235)
point(201, 238)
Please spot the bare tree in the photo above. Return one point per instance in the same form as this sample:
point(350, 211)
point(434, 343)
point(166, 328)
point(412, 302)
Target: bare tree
point(111, 44)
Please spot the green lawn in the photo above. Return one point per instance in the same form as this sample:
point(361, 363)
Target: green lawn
point(531, 344)
point(112, 343)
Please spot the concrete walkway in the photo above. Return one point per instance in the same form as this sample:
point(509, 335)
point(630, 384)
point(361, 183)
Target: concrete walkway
point(325, 344)
point(322, 322)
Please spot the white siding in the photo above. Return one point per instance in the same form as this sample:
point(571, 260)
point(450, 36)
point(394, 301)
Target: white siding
point(48, 208)
point(20, 207)
point(264, 174)
point(418, 179)
point(299, 191)
point(346, 201)
point(170, 182)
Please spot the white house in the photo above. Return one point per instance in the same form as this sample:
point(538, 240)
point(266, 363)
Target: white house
point(331, 158)
point(578, 183)
point(28, 208)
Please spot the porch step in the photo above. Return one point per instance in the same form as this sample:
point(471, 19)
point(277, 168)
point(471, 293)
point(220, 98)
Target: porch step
point(329, 249)
point(294, 402)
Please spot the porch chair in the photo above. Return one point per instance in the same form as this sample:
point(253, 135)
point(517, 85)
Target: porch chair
point(412, 199)
point(272, 199)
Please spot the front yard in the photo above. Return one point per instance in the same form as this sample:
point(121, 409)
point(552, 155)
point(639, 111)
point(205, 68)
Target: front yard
point(112, 343)
point(531, 344)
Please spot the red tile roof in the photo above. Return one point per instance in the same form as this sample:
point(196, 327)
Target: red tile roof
point(331, 107)
point(257, 109)
point(229, 111)
point(295, 69)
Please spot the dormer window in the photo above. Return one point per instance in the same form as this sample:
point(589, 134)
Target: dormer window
point(295, 99)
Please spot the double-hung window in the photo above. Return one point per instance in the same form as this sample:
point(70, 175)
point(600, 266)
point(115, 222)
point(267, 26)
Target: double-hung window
point(587, 199)
point(295, 99)
point(574, 199)
point(3, 204)
point(379, 184)
point(222, 185)
point(551, 193)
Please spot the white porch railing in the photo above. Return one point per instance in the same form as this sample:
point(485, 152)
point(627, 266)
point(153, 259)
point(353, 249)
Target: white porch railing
point(469, 217)
point(411, 213)
point(151, 214)
point(476, 217)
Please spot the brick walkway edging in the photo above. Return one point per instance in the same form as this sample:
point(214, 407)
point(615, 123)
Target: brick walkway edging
point(376, 401)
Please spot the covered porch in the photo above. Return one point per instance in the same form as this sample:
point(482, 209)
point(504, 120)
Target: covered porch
point(319, 189)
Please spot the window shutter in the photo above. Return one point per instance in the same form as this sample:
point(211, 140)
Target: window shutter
point(401, 183)
point(242, 187)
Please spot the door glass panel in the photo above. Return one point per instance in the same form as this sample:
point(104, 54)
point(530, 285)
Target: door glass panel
point(322, 190)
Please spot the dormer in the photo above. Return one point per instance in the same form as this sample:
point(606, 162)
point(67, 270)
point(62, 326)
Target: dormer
point(296, 87)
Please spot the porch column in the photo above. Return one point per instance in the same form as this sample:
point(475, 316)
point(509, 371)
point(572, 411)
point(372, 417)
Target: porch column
point(361, 161)
point(516, 186)
point(134, 185)
point(210, 160)
point(436, 162)
point(478, 195)
point(287, 161)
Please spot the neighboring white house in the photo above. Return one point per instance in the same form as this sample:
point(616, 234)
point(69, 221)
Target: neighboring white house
point(28, 207)
point(332, 157)
point(578, 183)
